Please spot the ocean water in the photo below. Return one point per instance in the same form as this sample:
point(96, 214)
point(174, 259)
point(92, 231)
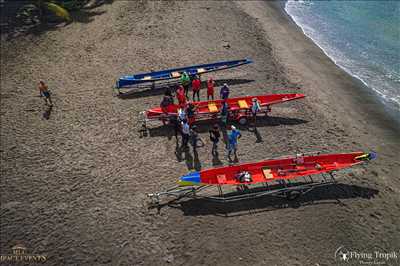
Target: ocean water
point(362, 37)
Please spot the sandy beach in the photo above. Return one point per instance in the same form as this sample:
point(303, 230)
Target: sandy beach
point(74, 179)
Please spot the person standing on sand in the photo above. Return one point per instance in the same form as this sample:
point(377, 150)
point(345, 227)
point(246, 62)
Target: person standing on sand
point(180, 95)
point(166, 103)
point(233, 138)
point(255, 108)
point(196, 85)
point(185, 81)
point(174, 122)
point(185, 132)
point(210, 88)
point(224, 92)
point(214, 137)
point(44, 91)
point(194, 138)
point(224, 113)
point(191, 112)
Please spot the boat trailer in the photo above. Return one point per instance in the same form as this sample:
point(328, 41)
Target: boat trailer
point(289, 189)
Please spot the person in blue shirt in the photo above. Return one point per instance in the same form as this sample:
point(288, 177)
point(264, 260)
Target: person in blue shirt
point(233, 138)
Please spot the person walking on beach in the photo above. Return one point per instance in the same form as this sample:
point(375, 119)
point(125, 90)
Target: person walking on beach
point(180, 95)
point(45, 92)
point(255, 108)
point(233, 138)
point(185, 81)
point(224, 92)
point(214, 137)
point(210, 88)
point(185, 133)
point(196, 85)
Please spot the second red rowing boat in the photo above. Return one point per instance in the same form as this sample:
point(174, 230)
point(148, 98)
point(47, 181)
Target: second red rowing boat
point(239, 108)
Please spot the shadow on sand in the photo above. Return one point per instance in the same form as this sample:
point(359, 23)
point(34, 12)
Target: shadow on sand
point(47, 112)
point(160, 88)
point(185, 153)
point(205, 126)
point(322, 195)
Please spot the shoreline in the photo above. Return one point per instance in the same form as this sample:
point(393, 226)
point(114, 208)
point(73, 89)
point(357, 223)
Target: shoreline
point(391, 108)
point(363, 97)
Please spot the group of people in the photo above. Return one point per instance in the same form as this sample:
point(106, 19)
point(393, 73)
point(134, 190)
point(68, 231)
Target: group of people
point(183, 89)
point(184, 122)
point(190, 134)
point(195, 83)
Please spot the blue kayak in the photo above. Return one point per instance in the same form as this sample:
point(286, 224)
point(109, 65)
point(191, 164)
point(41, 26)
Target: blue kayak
point(175, 73)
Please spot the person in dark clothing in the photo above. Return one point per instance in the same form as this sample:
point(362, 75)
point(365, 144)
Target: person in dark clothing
point(176, 127)
point(224, 112)
point(214, 137)
point(224, 92)
point(194, 138)
point(190, 112)
point(168, 92)
point(166, 102)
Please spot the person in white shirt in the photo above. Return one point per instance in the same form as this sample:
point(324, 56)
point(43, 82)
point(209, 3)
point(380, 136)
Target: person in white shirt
point(185, 132)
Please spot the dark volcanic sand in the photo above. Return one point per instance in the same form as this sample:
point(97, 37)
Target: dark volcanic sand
point(73, 187)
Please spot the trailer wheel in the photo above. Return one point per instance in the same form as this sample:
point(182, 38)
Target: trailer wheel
point(294, 194)
point(242, 120)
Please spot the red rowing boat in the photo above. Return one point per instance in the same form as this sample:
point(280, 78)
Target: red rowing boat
point(235, 104)
point(275, 169)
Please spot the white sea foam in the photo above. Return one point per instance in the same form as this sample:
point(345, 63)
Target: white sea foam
point(376, 81)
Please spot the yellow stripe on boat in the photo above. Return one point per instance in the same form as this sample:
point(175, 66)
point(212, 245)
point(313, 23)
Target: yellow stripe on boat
point(200, 70)
point(243, 104)
point(212, 107)
point(147, 78)
point(362, 157)
point(267, 173)
point(187, 183)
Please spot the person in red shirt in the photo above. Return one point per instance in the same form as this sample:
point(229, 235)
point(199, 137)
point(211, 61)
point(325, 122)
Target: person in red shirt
point(210, 89)
point(196, 84)
point(180, 95)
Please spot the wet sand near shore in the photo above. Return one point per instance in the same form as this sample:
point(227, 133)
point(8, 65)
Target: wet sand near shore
point(74, 186)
